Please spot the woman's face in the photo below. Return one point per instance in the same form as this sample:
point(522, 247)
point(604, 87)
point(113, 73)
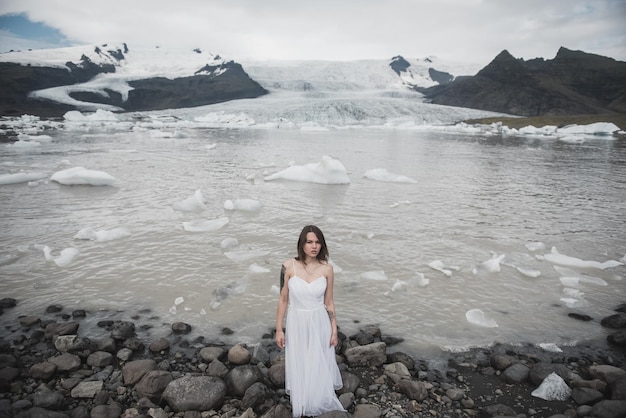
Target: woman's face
point(312, 245)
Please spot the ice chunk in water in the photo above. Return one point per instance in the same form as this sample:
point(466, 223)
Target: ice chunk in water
point(328, 171)
point(478, 317)
point(21, 177)
point(493, 265)
point(255, 268)
point(64, 259)
point(563, 260)
point(381, 174)
point(229, 243)
point(553, 388)
point(194, 203)
point(535, 246)
point(81, 175)
point(528, 272)
point(205, 226)
point(439, 266)
point(246, 205)
point(102, 235)
point(378, 275)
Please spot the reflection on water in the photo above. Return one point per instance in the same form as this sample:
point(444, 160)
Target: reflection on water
point(475, 197)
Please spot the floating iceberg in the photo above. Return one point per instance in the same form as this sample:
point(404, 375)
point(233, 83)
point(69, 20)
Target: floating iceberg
point(328, 171)
point(381, 174)
point(378, 275)
point(64, 259)
point(102, 235)
point(81, 175)
point(194, 203)
point(21, 177)
point(493, 265)
point(206, 225)
point(245, 205)
point(478, 317)
point(563, 260)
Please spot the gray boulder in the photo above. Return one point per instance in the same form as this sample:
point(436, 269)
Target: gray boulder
point(199, 393)
point(99, 359)
point(153, 384)
point(133, 371)
point(208, 354)
point(606, 373)
point(517, 373)
point(239, 355)
point(113, 410)
point(66, 362)
point(239, 379)
point(609, 409)
point(413, 389)
point(48, 399)
point(276, 374)
point(87, 389)
point(367, 410)
point(217, 369)
point(122, 330)
point(43, 371)
point(255, 396)
point(586, 396)
point(367, 355)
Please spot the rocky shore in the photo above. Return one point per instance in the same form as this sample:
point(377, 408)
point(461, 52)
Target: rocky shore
point(48, 370)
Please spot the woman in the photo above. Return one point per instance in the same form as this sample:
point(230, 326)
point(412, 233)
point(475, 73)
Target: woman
point(311, 372)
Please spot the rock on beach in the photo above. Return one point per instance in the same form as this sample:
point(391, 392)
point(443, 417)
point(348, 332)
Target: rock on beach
point(49, 369)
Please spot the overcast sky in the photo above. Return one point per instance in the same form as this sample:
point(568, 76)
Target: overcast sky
point(460, 30)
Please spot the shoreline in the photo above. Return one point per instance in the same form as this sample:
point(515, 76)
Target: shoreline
point(378, 381)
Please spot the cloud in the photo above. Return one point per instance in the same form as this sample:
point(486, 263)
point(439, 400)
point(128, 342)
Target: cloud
point(463, 30)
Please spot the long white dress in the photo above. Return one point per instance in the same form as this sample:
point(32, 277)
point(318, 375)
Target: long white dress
point(311, 372)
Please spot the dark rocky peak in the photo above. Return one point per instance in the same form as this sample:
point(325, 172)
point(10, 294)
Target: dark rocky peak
point(216, 69)
point(87, 69)
point(440, 77)
point(505, 68)
point(399, 64)
point(117, 54)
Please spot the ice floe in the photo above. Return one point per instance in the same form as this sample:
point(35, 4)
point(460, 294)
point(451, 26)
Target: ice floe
point(328, 171)
point(66, 256)
point(194, 203)
point(440, 266)
point(478, 317)
point(83, 176)
point(102, 235)
point(493, 264)
point(381, 174)
point(377, 275)
point(564, 260)
point(22, 177)
point(209, 225)
point(245, 205)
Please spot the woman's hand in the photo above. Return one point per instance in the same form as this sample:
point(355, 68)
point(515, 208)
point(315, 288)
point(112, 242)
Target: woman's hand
point(333, 340)
point(280, 339)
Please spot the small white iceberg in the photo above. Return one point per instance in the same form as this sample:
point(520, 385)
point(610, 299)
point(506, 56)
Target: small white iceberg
point(478, 317)
point(210, 225)
point(82, 176)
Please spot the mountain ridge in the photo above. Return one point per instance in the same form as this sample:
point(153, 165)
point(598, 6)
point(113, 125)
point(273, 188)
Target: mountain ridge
point(574, 82)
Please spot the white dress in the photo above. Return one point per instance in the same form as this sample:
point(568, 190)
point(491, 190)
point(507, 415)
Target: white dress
point(311, 372)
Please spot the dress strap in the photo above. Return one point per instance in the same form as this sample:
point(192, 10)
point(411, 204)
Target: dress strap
point(294, 266)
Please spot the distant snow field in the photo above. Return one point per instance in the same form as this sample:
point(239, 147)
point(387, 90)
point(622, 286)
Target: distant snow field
point(303, 95)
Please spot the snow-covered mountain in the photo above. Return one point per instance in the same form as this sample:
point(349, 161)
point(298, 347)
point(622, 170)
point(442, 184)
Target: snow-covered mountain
point(117, 78)
point(105, 75)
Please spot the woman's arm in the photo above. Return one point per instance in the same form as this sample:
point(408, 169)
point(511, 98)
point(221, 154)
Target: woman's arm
point(283, 300)
point(330, 304)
